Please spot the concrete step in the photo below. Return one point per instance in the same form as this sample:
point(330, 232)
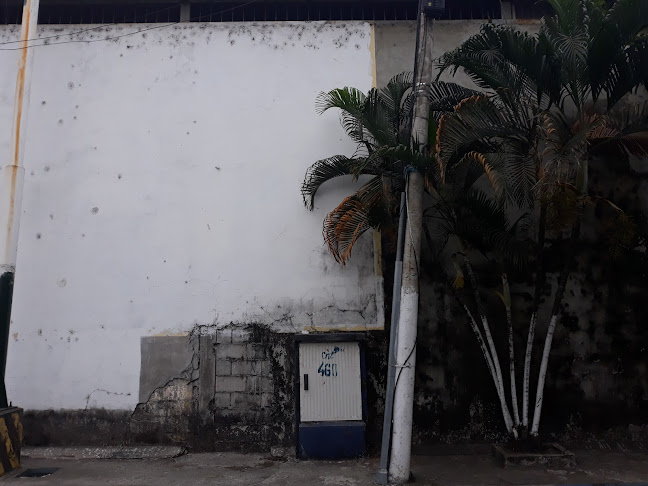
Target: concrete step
point(114, 452)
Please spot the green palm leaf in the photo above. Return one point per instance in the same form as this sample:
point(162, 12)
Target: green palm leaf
point(628, 70)
point(501, 58)
point(617, 58)
point(627, 19)
point(445, 96)
point(397, 99)
point(364, 117)
point(324, 170)
point(476, 119)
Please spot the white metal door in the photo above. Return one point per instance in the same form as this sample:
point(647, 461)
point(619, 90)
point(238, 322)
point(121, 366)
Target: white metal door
point(329, 378)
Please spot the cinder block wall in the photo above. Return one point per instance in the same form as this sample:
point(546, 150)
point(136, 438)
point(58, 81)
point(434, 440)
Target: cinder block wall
point(235, 394)
point(243, 381)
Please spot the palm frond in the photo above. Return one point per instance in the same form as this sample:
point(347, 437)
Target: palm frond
point(476, 121)
point(473, 119)
point(445, 96)
point(403, 156)
point(625, 132)
point(567, 145)
point(322, 171)
point(379, 120)
point(482, 164)
point(364, 117)
point(348, 99)
point(625, 71)
point(504, 59)
point(397, 97)
point(520, 177)
point(394, 93)
point(628, 18)
point(438, 226)
point(351, 101)
point(567, 34)
point(617, 58)
point(620, 145)
point(482, 223)
point(567, 13)
point(571, 45)
point(343, 226)
point(365, 209)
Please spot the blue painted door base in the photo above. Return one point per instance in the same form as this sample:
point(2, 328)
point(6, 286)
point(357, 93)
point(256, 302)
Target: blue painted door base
point(331, 440)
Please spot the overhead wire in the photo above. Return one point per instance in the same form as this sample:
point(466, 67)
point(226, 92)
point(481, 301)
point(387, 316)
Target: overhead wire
point(170, 24)
point(90, 29)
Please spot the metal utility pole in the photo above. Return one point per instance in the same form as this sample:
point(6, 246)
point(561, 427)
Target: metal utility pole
point(12, 178)
point(399, 467)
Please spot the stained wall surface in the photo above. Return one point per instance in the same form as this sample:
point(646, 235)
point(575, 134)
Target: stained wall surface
point(162, 193)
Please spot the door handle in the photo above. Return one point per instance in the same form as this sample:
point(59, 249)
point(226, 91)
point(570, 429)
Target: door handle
point(305, 381)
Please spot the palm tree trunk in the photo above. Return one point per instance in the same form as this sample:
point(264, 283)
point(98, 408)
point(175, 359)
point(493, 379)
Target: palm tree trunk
point(499, 386)
point(499, 380)
point(509, 321)
point(539, 281)
point(560, 291)
point(527, 371)
point(482, 315)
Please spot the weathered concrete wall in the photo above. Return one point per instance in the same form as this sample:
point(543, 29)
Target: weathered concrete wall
point(396, 44)
point(232, 388)
point(162, 193)
point(237, 392)
point(597, 376)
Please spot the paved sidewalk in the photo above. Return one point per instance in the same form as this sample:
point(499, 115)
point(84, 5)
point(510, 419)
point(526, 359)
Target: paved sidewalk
point(221, 469)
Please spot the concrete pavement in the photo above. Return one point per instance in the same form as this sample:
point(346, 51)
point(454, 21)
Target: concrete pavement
point(220, 469)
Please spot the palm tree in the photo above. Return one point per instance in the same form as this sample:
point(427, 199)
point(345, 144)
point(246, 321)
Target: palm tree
point(555, 103)
point(379, 122)
point(552, 103)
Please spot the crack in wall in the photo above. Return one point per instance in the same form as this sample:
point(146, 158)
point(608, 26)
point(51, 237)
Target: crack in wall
point(103, 391)
point(246, 405)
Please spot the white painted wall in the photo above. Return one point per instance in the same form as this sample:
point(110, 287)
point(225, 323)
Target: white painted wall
point(162, 191)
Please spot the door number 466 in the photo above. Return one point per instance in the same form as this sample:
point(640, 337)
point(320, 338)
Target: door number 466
point(327, 369)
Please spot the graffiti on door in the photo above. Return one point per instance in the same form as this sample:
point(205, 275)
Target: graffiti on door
point(329, 369)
